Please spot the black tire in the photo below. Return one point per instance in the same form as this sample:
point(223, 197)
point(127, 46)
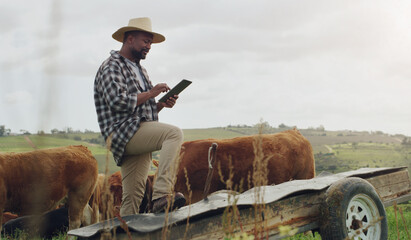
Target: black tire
point(352, 209)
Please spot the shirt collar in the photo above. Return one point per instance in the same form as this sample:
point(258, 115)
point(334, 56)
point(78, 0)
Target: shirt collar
point(116, 54)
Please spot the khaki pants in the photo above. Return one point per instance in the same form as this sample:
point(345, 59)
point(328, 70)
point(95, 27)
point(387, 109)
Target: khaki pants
point(151, 136)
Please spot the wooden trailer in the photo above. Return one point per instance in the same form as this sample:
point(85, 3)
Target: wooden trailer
point(337, 205)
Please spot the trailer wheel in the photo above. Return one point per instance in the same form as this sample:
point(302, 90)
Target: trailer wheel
point(352, 209)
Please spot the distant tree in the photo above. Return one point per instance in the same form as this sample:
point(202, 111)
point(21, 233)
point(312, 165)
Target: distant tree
point(98, 140)
point(321, 128)
point(54, 131)
point(41, 132)
point(2, 130)
point(69, 130)
point(282, 125)
point(262, 125)
point(266, 125)
point(24, 132)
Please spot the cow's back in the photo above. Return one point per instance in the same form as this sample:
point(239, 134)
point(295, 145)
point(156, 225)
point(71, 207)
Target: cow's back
point(41, 178)
point(289, 156)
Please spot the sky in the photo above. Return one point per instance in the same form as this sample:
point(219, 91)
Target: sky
point(341, 64)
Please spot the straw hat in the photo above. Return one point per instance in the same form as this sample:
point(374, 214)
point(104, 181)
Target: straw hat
point(138, 24)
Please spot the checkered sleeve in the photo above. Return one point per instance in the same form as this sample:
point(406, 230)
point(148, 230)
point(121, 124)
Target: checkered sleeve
point(115, 91)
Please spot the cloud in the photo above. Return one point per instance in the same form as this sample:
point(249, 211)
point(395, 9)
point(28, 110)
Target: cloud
point(18, 97)
point(305, 63)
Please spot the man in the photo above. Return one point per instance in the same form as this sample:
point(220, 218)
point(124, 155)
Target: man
point(128, 117)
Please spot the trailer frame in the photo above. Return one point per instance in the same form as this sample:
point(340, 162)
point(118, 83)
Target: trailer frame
point(297, 204)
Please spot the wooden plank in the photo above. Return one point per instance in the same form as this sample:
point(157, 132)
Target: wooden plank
point(299, 212)
point(401, 199)
point(393, 191)
point(392, 185)
point(389, 179)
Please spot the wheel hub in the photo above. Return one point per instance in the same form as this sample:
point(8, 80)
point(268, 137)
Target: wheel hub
point(362, 218)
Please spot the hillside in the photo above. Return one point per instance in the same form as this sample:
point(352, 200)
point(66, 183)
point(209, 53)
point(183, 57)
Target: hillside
point(335, 151)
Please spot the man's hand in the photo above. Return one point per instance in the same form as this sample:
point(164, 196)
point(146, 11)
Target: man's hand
point(159, 88)
point(171, 101)
point(152, 93)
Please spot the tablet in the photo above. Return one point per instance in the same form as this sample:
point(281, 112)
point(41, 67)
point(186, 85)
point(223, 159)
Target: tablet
point(175, 90)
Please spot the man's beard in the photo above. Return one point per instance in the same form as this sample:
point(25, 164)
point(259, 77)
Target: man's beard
point(139, 54)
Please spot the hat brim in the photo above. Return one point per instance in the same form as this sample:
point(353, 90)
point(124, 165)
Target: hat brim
point(119, 34)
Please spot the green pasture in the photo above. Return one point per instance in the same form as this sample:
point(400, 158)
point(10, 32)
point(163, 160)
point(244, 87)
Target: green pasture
point(218, 133)
point(372, 154)
point(22, 143)
point(349, 156)
point(334, 152)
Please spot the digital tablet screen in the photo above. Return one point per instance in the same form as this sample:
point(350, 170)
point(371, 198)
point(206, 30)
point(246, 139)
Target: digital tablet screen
point(175, 90)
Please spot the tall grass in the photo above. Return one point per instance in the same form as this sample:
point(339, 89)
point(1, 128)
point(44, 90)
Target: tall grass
point(399, 221)
point(231, 220)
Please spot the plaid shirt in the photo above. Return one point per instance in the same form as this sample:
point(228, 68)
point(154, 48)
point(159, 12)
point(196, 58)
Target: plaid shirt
point(116, 89)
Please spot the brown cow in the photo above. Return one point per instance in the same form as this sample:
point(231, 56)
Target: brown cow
point(35, 182)
point(116, 191)
point(116, 188)
point(288, 154)
point(110, 196)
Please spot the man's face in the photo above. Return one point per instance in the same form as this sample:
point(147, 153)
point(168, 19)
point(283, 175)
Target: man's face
point(141, 44)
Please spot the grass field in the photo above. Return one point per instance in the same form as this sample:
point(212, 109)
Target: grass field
point(334, 152)
point(402, 223)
